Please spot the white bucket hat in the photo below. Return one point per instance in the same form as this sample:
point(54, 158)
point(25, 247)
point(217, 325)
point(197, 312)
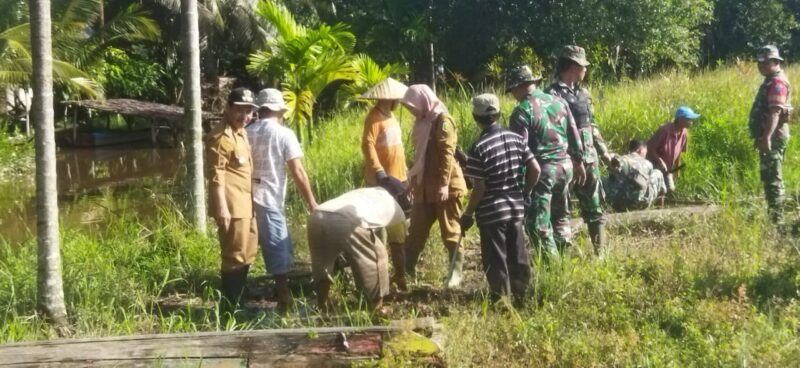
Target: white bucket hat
point(272, 99)
point(389, 89)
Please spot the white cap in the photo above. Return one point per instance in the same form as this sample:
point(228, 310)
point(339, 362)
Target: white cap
point(485, 105)
point(272, 99)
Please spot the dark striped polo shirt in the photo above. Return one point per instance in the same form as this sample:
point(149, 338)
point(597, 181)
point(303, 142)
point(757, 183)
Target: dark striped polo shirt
point(497, 158)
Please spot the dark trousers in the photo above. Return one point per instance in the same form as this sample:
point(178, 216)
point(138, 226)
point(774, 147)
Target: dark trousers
point(505, 258)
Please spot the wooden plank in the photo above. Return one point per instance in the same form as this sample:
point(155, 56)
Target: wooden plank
point(147, 363)
point(320, 342)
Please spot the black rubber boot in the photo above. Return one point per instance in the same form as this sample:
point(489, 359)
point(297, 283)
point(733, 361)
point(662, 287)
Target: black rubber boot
point(598, 235)
point(233, 285)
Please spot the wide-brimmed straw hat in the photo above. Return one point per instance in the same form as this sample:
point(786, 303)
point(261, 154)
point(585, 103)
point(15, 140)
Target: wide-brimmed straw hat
point(389, 89)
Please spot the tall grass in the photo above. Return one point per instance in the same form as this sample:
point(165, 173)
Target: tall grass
point(16, 155)
point(721, 160)
point(717, 291)
point(720, 292)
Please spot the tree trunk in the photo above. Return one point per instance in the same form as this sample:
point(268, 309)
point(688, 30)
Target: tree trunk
point(50, 286)
point(433, 69)
point(193, 113)
point(101, 19)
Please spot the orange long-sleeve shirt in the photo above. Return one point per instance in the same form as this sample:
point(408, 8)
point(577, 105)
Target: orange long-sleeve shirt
point(382, 146)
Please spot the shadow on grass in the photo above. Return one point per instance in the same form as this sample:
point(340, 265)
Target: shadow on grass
point(770, 285)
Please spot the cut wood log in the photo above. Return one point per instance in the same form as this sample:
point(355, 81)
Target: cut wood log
point(289, 347)
point(666, 214)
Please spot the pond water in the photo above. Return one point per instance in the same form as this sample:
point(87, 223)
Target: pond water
point(89, 183)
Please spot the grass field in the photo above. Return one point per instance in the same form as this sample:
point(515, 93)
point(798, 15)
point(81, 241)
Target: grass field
point(719, 291)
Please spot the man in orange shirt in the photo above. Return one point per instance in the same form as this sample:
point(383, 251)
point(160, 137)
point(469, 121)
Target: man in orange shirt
point(384, 154)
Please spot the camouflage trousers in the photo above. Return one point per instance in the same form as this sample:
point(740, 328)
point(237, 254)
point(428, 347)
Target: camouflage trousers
point(626, 196)
point(771, 170)
point(590, 195)
point(547, 221)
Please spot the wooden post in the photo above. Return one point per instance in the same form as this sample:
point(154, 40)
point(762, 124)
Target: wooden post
point(75, 125)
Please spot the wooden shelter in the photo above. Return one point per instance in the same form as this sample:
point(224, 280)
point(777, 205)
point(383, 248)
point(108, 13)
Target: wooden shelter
point(158, 118)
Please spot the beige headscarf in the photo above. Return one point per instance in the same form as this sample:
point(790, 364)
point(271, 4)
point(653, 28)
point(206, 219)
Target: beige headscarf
point(422, 98)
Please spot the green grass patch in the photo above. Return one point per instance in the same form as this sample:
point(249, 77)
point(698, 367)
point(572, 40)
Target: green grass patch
point(716, 291)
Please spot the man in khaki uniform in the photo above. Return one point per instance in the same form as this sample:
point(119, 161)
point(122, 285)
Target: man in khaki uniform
point(230, 192)
point(436, 179)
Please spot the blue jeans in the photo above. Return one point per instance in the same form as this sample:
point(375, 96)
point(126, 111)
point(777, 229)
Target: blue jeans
point(273, 237)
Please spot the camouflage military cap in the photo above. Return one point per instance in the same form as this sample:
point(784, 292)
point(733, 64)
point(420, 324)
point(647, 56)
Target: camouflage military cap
point(769, 52)
point(520, 75)
point(574, 53)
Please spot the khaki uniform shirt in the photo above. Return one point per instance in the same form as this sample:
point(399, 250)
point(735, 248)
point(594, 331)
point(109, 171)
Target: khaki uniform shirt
point(441, 167)
point(230, 167)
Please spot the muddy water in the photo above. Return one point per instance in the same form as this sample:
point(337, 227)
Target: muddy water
point(89, 183)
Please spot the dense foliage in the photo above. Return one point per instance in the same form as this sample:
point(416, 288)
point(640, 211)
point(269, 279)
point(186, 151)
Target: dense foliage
point(105, 45)
point(624, 38)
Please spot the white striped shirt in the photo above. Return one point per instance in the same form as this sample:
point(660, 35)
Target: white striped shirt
point(497, 158)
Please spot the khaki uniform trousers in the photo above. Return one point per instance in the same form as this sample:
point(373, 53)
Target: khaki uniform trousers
point(239, 244)
point(423, 215)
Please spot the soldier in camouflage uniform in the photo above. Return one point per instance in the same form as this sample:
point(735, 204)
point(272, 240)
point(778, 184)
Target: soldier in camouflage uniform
point(570, 71)
point(769, 118)
point(633, 183)
point(547, 126)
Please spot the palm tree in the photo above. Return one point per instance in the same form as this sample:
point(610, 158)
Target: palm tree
point(306, 61)
point(193, 112)
point(16, 64)
point(50, 285)
point(229, 30)
point(370, 73)
point(79, 38)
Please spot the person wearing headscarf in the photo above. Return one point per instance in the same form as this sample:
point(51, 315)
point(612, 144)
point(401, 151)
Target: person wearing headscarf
point(436, 181)
point(384, 155)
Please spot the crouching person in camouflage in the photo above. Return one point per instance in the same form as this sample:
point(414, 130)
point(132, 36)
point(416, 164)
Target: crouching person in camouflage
point(633, 183)
point(547, 127)
point(769, 118)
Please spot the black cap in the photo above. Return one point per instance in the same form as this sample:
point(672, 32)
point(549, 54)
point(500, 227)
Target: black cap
point(241, 96)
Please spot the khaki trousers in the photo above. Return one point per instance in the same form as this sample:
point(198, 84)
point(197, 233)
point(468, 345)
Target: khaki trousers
point(239, 243)
point(423, 215)
point(331, 234)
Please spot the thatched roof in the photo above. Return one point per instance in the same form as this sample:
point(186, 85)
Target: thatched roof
point(149, 110)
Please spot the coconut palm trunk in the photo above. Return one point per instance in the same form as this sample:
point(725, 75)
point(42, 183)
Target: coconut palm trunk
point(50, 285)
point(193, 113)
